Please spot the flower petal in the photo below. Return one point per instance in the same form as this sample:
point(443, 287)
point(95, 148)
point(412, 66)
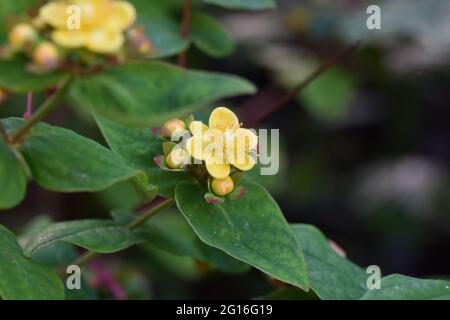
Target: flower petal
point(122, 16)
point(222, 119)
point(198, 128)
point(219, 171)
point(54, 14)
point(243, 162)
point(105, 41)
point(195, 147)
point(70, 38)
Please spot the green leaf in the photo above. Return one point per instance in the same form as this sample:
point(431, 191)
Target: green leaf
point(61, 160)
point(332, 276)
point(13, 180)
point(400, 287)
point(146, 93)
point(209, 36)
point(104, 236)
point(15, 77)
point(138, 147)
point(171, 232)
point(251, 229)
point(244, 4)
point(161, 27)
point(21, 278)
point(338, 87)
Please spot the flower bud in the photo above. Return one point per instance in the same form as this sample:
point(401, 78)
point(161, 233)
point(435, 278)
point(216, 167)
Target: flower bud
point(176, 158)
point(21, 34)
point(172, 126)
point(46, 56)
point(222, 187)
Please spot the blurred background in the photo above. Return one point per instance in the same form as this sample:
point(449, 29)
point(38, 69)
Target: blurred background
point(365, 149)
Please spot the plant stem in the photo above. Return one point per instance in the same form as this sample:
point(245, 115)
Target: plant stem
point(185, 28)
point(140, 220)
point(50, 104)
point(331, 62)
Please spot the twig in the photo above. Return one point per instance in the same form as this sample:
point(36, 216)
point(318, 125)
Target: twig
point(29, 112)
point(185, 29)
point(88, 256)
point(331, 62)
point(48, 106)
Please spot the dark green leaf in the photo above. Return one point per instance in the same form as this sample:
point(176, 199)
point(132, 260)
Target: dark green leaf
point(146, 93)
point(22, 278)
point(244, 4)
point(209, 36)
point(13, 181)
point(138, 147)
point(15, 77)
point(61, 160)
point(104, 236)
point(332, 276)
point(400, 287)
point(251, 229)
point(173, 234)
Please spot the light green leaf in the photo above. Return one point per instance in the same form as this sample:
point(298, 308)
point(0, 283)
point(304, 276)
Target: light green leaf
point(21, 278)
point(251, 229)
point(15, 77)
point(104, 236)
point(13, 181)
point(332, 276)
point(61, 160)
point(138, 147)
point(400, 287)
point(244, 4)
point(329, 96)
point(146, 93)
point(209, 36)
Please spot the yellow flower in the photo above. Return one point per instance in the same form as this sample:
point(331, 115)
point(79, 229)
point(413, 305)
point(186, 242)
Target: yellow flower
point(223, 144)
point(101, 23)
point(46, 56)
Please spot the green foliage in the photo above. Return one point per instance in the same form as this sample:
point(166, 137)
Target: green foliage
point(13, 180)
point(23, 278)
point(61, 160)
point(104, 236)
point(15, 77)
point(332, 277)
point(138, 147)
point(251, 229)
point(400, 287)
point(244, 4)
point(209, 36)
point(148, 93)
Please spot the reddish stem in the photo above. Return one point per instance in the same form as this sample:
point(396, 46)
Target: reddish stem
point(331, 62)
point(104, 277)
point(27, 115)
point(185, 29)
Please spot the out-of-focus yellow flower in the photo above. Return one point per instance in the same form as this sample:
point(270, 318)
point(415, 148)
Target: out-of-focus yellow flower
point(101, 23)
point(20, 35)
point(46, 56)
point(223, 144)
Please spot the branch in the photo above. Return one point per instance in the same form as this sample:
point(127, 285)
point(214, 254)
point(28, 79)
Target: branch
point(185, 29)
point(48, 106)
point(140, 220)
point(331, 62)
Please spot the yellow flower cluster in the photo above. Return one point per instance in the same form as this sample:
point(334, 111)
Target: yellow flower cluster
point(97, 25)
point(221, 146)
